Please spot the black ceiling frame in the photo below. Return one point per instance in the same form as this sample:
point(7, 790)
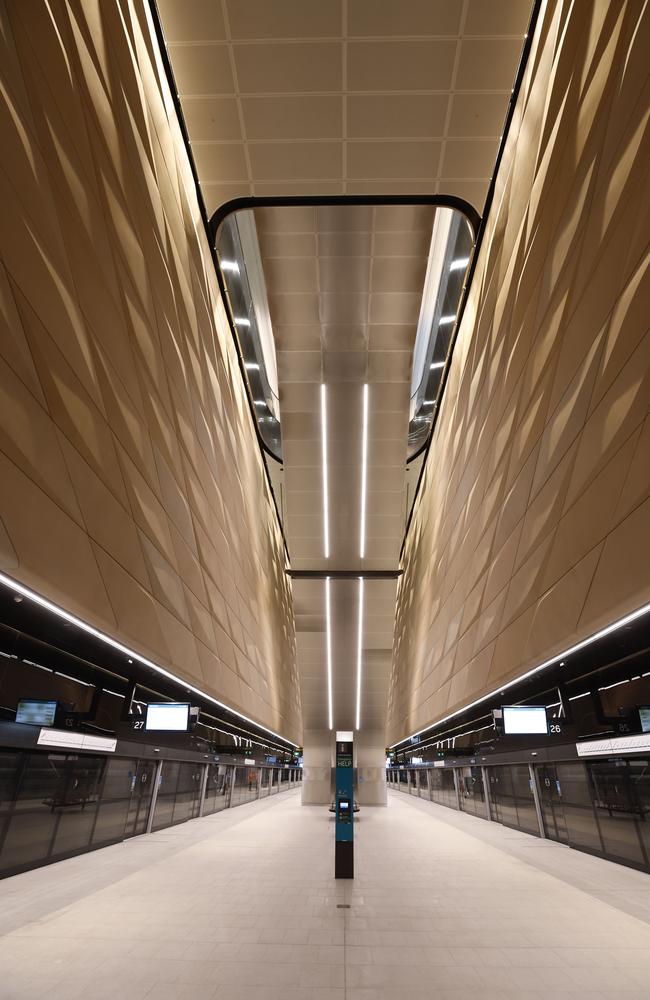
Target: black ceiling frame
point(337, 201)
point(344, 574)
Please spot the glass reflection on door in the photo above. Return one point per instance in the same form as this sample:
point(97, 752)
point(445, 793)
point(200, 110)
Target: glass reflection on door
point(552, 805)
point(142, 782)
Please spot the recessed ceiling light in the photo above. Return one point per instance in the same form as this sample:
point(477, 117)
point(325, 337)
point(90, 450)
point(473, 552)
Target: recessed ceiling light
point(364, 471)
point(326, 501)
point(359, 652)
point(328, 641)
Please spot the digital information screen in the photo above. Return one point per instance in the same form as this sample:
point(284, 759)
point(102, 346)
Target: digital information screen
point(644, 718)
point(170, 717)
point(525, 719)
point(36, 713)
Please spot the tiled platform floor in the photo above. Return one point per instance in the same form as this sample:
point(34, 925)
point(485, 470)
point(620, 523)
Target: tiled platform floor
point(243, 906)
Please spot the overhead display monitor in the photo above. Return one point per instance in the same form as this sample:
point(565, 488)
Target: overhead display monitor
point(168, 716)
point(35, 712)
point(525, 719)
point(644, 718)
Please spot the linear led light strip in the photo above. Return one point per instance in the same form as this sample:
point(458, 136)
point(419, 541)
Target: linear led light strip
point(326, 497)
point(364, 472)
point(328, 641)
point(359, 653)
point(85, 627)
point(620, 623)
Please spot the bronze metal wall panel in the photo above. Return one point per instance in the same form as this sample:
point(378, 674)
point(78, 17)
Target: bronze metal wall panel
point(133, 490)
point(532, 528)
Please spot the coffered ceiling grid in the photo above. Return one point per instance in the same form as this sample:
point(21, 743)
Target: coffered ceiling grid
point(344, 97)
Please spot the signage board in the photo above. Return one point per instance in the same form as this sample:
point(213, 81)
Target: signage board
point(76, 740)
point(609, 746)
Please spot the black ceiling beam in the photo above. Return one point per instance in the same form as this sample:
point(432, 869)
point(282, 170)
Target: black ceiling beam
point(343, 574)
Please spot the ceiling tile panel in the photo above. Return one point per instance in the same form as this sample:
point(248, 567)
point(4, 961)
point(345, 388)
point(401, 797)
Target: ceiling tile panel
point(498, 17)
point(263, 19)
point(477, 116)
point(469, 158)
point(488, 64)
point(302, 160)
point(394, 274)
point(390, 116)
point(201, 69)
point(400, 65)
point(192, 19)
point(393, 159)
point(220, 161)
point(210, 118)
point(344, 275)
point(289, 67)
point(293, 117)
point(417, 17)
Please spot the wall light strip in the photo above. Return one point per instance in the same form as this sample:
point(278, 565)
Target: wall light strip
point(359, 653)
point(364, 472)
point(436, 364)
point(619, 623)
point(19, 588)
point(328, 643)
point(456, 265)
point(446, 320)
point(326, 495)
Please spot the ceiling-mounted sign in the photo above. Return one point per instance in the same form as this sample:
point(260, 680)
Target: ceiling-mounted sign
point(521, 719)
point(621, 744)
point(75, 740)
point(167, 716)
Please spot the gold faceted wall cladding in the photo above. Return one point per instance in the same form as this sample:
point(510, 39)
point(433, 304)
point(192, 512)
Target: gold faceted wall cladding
point(532, 528)
point(132, 488)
